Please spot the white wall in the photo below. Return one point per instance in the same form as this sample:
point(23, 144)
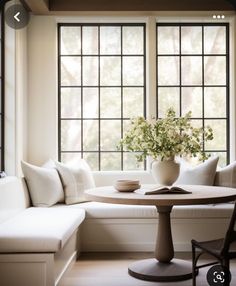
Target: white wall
point(21, 115)
point(10, 97)
point(15, 98)
point(42, 89)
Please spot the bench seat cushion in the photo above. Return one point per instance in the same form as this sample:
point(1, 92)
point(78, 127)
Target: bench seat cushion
point(39, 230)
point(104, 210)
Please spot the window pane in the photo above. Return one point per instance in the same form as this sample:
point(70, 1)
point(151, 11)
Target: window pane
point(110, 41)
point(215, 40)
point(110, 105)
point(97, 90)
point(222, 158)
point(219, 132)
point(168, 70)
point(92, 160)
point(133, 40)
point(130, 162)
point(90, 135)
point(110, 161)
point(70, 71)
point(168, 97)
point(192, 101)
point(133, 102)
point(168, 40)
point(215, 70)
point(70, 103)
point(191, 70)
point(215, 102)
point(110, 134)
point(191, 40)
point(70, 40)
point(126, 125)
point(110, 71)
point(204, 74)
point(90, 102)
point(90, 40)
point(197, 123)
point(68, 157)
point(133, 71)
point(90, 71)
point(70, 135)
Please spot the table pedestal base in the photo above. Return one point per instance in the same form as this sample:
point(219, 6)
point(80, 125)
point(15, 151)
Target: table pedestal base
point(152, 270)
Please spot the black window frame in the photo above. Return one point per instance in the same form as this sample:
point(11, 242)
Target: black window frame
point(122, 119)
point(2, 81)
point(227, 85)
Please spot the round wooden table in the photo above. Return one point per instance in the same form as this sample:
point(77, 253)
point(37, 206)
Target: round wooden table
point(163, 267)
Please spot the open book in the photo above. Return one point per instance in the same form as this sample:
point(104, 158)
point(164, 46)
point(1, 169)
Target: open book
point(162, 190)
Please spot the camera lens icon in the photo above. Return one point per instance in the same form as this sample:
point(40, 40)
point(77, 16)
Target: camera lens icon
point(218, 275)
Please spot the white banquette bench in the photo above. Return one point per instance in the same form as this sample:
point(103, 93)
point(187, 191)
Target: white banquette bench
point(38, 244)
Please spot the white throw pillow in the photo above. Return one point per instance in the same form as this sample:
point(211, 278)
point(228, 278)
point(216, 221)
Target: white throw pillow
point(44, 185)
point(202, 174)
point(76, 177)
point(226, 177)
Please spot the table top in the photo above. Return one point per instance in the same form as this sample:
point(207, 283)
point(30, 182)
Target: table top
point(199, 195)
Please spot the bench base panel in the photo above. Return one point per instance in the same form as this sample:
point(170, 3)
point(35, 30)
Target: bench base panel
point(37, 269)
point(140, 234)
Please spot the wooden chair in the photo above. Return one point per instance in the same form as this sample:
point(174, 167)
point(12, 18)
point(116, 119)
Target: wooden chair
point(221, 249)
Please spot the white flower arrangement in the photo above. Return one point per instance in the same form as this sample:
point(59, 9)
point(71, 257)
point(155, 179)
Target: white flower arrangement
point(166, 138)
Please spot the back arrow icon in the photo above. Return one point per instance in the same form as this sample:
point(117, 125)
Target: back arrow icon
point(16, 17)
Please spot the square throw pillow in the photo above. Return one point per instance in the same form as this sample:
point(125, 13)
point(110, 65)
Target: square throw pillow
point(202, 174)
point(76, 177)
point(226, 177)
point(44, 185)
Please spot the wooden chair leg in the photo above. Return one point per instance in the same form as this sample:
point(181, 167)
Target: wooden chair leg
point(194, 265)
point(225, 264)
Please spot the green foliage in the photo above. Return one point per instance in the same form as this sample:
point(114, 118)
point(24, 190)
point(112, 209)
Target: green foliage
point(166, 138)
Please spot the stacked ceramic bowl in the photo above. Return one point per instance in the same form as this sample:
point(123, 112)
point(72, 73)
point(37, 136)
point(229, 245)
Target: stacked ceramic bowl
point(127, 185)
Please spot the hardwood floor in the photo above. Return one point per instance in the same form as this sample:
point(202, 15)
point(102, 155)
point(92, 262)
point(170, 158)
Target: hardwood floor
point(110, 269)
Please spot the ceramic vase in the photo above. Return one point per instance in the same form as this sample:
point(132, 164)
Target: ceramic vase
point(165, 172)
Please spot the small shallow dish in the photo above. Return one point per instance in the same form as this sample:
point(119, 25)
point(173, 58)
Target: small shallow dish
point(127, 185)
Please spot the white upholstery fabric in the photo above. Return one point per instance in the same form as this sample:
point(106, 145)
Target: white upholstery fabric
point(226, 176)
point(103, 210)
point(39, 230)
point(202, 174)
point(14, 197)
point(76, 177)
point(44, 185)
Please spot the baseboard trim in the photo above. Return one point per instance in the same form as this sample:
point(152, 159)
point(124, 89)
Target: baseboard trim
point(130, 247)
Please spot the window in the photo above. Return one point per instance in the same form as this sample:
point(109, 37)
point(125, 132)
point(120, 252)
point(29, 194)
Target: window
point(2, 88)
point(193, 74)
point(102, 84)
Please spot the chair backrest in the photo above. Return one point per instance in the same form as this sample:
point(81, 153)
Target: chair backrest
point(230, 234)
